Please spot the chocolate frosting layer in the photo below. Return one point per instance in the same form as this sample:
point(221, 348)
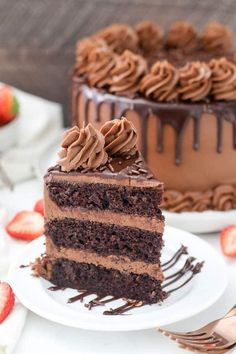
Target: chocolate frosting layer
point(119, 37)
point(216, 37)
point(82, 148)
point(126, 75)
point(120, 137)
point(195, 81)
point(182, 35)
point(150, 35)
point(223, 79)
point(221, 198)
point(161, 83)
point(121, 263)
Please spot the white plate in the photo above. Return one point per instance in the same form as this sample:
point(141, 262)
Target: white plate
point(201, 222)
point(202, 292)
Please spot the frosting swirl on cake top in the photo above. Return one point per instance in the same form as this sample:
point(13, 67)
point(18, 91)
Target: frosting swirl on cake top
point(120, 137)
point(101, 63)
point(161, 83)
point(128, 71)
point(181, 35)
point(195, 81)
point(223, 79)
point(84, 50)
point(119, 37)
point(216, 37)
point(82, 148)
point(149, 34)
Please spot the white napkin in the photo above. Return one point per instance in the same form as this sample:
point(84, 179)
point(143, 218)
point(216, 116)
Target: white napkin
point(11, 328)
point(40, 124)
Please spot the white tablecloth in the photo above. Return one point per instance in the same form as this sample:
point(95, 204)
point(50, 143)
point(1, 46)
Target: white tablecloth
point(40, 335)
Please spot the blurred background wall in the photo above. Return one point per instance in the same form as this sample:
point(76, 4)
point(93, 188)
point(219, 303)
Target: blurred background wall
point(37, 38)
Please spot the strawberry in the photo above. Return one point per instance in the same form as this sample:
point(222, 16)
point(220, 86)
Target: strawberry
point(26, 225)
point(228, 241)
point(39, 206)
point(7, 300)
point(9, 106)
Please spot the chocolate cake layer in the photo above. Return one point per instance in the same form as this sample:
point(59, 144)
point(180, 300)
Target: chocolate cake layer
point(105, 239)
point(53, 211)
point(102, 281)
point(121, 263)
point(130, 200)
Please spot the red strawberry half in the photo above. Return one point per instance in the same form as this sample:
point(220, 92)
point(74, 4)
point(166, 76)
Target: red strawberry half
point(9, 106)
point(228, 241)
point(26, 225)
point(7, 300)
point(39, 206)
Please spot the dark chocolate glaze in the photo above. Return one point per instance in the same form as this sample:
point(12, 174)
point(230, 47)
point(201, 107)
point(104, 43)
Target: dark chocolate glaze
point(117, 168)
point(190, 267)
point(176, 114)
point(55, 288)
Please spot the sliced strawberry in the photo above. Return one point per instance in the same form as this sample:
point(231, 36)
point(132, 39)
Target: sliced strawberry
point(228, 241)
point(39, 206)
point(7, 300)
point(26, 225)
point(9, 106)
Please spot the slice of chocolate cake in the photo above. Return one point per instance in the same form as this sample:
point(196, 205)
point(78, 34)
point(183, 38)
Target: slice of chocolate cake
point(103, 225)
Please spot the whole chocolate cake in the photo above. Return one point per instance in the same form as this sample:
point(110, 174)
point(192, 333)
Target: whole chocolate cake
point(179, 89)
point(103, 223)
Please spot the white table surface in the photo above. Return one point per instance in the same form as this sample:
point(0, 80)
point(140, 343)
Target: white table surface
point(40, 335)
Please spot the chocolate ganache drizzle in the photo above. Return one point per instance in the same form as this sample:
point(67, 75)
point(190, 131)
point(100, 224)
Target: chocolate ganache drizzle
point(175, 114)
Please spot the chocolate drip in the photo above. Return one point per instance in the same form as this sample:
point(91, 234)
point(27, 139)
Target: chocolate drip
point(87, 104)
point(196, 133)
point(130, 304)
point(55, 288)
point(80, 297)
point(234, 135)
point(219, 134)
point(100, 301)
point(195, 270)
point(176, 276)
point(167, 265)
point(24, 265)
point(177, 115)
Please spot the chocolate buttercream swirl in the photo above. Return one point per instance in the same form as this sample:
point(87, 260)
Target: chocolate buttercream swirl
point(195, 81)
point(182, 35)
point(120, 137)
point(150, 35)
point(82, 148)
point(161, 83)
point(216, 37)
point(127, 73)
point(224, 198)
point(84, 51)
point(101, 62)
point(119, 37)
point(221, 198)
point(223, 79)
